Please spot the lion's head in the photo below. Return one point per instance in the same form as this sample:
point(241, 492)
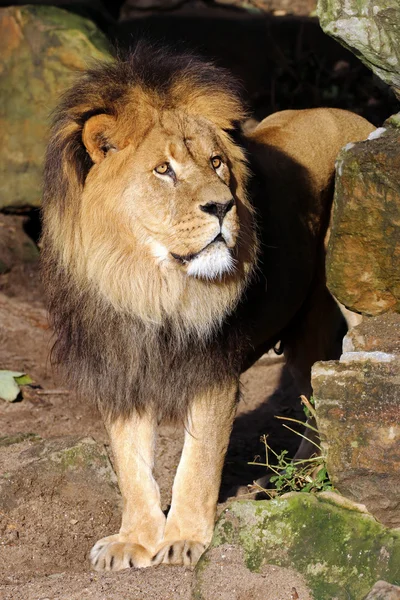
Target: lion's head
point(145, 201)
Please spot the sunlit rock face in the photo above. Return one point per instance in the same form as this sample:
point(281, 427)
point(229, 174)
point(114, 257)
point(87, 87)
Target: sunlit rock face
point(42, 49)
point(370, 30)
point(363, 262)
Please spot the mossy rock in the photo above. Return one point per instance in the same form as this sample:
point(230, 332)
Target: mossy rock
point(338, 550)
point(42, 49)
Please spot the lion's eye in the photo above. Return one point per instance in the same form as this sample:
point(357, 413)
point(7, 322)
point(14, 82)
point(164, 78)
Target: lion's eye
point(162, 169)
point(216, 162)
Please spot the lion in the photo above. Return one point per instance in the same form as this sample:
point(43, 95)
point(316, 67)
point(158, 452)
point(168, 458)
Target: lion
point(176, 251)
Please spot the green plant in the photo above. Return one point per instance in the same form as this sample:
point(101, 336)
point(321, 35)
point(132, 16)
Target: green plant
point(307, 475)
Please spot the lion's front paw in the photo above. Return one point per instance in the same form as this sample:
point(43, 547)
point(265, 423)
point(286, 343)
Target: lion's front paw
point(114, 553)
point(181, 552)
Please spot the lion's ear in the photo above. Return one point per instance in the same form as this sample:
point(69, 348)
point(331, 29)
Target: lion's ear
point(97, 136)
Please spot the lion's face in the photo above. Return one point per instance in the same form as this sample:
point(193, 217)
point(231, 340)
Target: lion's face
point(145, 198)
point(174, 190)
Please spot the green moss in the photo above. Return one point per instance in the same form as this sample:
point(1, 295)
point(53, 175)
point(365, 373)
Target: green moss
point(393, 121)
point(8, 440)
point(59, 19)
point(224, 534)
point(81, 455)
point(340, 552)
point(73, 457)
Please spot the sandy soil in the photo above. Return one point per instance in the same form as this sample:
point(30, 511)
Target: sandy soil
point(47, 528)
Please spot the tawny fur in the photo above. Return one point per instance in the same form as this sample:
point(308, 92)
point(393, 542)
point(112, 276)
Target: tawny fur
point(158, 300)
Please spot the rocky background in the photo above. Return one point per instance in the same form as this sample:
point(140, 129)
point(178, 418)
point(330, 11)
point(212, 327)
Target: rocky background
point(53, 453)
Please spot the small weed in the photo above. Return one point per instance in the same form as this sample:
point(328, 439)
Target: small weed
point(307, 475)
point(308, 407)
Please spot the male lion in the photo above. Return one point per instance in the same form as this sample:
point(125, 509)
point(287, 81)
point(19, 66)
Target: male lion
point(175, 252)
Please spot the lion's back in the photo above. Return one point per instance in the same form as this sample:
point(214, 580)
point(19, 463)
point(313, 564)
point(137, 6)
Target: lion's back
point(312, 137)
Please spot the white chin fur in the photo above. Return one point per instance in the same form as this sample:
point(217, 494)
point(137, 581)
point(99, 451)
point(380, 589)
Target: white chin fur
point(214, 262)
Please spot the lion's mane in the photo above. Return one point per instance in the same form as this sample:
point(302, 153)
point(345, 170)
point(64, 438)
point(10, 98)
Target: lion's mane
point(135, 352)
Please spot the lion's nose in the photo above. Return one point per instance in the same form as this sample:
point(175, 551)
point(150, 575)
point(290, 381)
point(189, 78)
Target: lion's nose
point(219, 209)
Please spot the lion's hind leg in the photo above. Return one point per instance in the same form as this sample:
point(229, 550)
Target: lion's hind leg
point(317, 335)
point(143, 522)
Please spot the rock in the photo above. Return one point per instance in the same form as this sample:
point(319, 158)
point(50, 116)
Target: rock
point(384, 591)
point(375, 334)
point(15, 245)
point(364, 247)
point(357, 402)
point(369, 29)
point(56, 498)
point(278, 8)
point(336, 551)
point(41, 50)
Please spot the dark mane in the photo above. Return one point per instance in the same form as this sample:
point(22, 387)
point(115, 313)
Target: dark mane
point(122, 364)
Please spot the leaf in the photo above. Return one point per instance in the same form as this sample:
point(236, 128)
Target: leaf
point(321, 475)
point(9, 389)
point(307, 488)
point(24, 380)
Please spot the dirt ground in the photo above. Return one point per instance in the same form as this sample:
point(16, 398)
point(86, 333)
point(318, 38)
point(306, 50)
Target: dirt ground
point(47, 526)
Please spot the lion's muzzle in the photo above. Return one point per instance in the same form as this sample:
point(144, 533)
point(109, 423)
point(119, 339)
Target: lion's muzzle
point(219, 209)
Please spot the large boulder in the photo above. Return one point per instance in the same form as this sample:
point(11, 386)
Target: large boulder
point(324, 545)
point(370, 30)
point(42, 49)
point(364, 248)
point(357, 401)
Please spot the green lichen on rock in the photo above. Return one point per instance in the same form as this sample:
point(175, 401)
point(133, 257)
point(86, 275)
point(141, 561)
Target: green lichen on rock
point(340, 552)
point(17, 438)
point(393, 121)
point(85, 454)
point(371, 30)
point(42, 49)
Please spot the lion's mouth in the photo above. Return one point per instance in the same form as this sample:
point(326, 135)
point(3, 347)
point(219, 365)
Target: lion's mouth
point(187, 258)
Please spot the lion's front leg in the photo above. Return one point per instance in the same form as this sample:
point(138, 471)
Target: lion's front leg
point(190, 521)
point(143, 522)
